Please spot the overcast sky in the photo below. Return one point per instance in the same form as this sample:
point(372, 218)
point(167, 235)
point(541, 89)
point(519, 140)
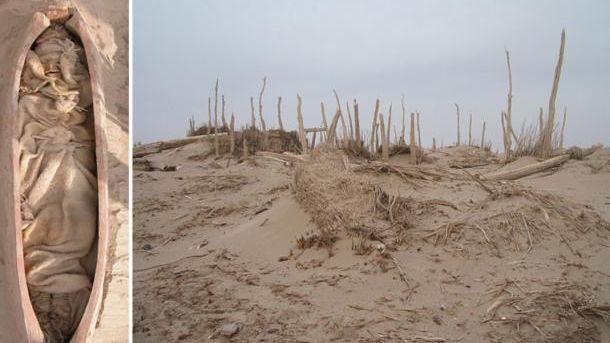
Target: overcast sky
point(436, 53)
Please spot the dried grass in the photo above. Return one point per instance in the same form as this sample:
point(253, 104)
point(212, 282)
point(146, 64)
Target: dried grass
point(554, 312)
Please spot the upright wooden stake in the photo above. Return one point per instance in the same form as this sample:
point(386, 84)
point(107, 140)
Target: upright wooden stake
point(374, 127)
point(253, 119)
point(470, 129)
point(302, 137)
point(433, 144)
point(216, 147)
point(279, 113)
point(323, 112)
point(260, 105)
point(389, 123)
point(216, 105)
point(313, 141)
point(224, 121)
point(457, 107)
point(563, 126)
point(349, 116)
point(412, 147)
point(260, 113)
point(483, 136)
point(232, 134)
point(403, 133)
point(357, 124)
point(509, 116)
point(505, 137)
point(420, 151)
point(546, 142)
point(345, 134)
point(209, 115)
point(324, 123)
point(216, 119)
point(331, 135)
point(385, 154)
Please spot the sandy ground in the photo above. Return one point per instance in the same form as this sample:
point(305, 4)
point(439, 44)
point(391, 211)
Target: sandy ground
point(108, 21)
point(216, 258)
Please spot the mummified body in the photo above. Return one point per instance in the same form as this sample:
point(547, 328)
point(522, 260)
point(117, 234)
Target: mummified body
point(58, 181)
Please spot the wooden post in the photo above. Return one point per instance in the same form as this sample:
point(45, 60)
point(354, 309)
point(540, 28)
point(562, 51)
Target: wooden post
point(232, 134)
point(509, 116)
point(420, 151)
point(563, 126)
point(403, 133)
point(279, 112)
point(433, 144)
point(349, 116)
point(546, 142)
point(505, 137)
point(253, 119)
point(470, 129)
point(302, 137)
point(224, 121)
point(216, 119)
point(216, 147)
point(191, 128)
point(357, 124)
point(331, 135)
point(389, 124)
point(457, 107)
point(323, 111)
point(345, 135)
point(412, 147)
point(313, 141)
point(374, 127)
point(324, 136)
point(209, 115)
point(260, 105)
point(385, 155)
point(483, 136)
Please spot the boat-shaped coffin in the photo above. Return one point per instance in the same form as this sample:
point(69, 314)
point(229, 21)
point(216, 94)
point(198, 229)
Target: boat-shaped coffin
point(54, 191)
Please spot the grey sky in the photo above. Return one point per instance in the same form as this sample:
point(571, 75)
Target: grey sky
point(436, 53)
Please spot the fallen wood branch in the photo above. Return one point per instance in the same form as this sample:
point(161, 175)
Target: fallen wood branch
point(527, 170)
point(156, 147)
point(537, 167)
point(314, 129)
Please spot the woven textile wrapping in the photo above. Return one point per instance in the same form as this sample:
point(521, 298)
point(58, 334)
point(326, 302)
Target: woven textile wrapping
point(58, 180)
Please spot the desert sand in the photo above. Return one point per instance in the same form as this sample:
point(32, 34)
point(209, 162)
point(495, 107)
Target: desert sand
point(108, 22)
point(335, 248)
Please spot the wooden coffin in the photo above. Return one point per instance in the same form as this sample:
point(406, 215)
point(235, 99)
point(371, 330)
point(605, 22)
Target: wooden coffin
point(24, 324)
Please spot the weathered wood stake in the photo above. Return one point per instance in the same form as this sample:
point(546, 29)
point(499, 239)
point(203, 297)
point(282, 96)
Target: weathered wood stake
point(224, 121)
point(209, 115)
point(457, 107)
point(546, 141)
point(302, 138)
point(563, 126)
point(232, 134)
point(470, 129)
point(385, 154)
point(374, 127)
point(357, 124)
point(412, 147)
point(279, 113)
